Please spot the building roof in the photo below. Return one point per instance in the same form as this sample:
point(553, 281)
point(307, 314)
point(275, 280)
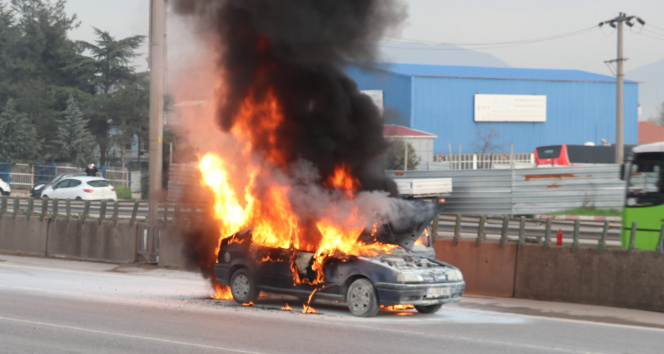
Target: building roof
point(650, 133)
point(391, 130)
point(485, 72)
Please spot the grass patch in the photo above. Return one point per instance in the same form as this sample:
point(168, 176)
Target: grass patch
point(590, 212)
point(123, 193)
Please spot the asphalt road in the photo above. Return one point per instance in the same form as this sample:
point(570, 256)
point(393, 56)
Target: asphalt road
point(58, 306)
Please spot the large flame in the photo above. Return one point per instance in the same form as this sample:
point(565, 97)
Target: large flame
point(252, 195)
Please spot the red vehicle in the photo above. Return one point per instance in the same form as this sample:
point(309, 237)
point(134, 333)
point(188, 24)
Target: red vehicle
point(570, 155)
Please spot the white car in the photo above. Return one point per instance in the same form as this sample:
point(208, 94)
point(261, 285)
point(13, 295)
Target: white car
point(5, 188)
point(81, 188)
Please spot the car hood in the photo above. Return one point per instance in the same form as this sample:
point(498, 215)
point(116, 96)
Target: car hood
point(410, 221)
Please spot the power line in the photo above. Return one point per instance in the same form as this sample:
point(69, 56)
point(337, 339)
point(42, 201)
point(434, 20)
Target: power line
point(503, 44)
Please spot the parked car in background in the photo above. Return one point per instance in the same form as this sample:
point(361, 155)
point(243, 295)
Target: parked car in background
point(5, 188)
point(36, 191)
point(82, 188)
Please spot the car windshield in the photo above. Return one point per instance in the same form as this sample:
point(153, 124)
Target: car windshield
point(99, 183)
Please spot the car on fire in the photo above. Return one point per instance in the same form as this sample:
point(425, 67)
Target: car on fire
point(405, 275)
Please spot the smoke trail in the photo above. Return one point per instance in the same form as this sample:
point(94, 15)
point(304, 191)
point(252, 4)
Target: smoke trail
point(295, 50)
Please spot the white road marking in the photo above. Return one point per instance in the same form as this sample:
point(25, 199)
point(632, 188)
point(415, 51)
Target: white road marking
point(123, 335)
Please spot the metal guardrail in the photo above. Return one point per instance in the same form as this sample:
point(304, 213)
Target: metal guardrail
point(135, 211)
point(528, 230)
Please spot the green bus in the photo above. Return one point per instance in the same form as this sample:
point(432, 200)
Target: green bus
point(644, 196)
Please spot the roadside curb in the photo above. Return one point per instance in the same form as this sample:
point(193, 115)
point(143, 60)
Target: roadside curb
point(580, 217)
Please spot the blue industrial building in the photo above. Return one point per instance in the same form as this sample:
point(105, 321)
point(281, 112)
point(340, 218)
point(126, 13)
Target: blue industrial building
point(568, 106)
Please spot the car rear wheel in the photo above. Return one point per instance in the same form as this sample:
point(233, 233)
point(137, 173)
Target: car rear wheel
point(361, 298)
point(243, 287)
point(428, 308)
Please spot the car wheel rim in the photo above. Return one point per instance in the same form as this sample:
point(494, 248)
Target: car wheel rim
point(241, 287)
point(360, 298)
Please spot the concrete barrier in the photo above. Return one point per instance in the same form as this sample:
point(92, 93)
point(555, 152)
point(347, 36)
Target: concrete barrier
point(171, 247)
point(488, 269)
point(22, 235)
point(615, 277)
point(92, 241)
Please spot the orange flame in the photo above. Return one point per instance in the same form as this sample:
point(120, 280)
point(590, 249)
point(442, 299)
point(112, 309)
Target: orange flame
point(222, 292)
point(250, 303)
point(286, 308)
point(397, 307)
point(256, 194)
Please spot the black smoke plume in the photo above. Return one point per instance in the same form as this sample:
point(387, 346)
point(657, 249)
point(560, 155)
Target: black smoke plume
point(296, 50)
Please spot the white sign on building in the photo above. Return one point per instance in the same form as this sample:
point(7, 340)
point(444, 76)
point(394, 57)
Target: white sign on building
point(510, 108)
point(376, 97)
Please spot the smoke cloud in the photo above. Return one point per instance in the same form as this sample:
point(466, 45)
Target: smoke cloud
point(293, 52)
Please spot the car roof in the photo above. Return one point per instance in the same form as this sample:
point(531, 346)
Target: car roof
point(86, 178)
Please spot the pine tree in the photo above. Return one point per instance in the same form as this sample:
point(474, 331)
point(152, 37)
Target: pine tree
point(19, 136)
point(394, 157)
point(74, 142)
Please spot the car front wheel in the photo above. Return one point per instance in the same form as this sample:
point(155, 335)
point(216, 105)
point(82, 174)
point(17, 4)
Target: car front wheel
point(428, 308)
point(243, 287)
point(362, 299)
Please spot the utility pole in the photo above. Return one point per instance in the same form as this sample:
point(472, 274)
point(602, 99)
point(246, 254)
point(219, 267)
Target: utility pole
point(157, 17)
point(617, 22)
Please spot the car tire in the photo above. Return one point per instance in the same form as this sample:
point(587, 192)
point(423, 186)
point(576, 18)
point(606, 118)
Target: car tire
point(428, 309)
point(361, 298)
point(243, 287)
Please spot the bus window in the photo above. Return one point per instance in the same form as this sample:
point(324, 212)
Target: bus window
point(644, 197)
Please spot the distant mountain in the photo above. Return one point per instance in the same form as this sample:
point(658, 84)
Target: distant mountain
point(437, 54)
point(651, 89)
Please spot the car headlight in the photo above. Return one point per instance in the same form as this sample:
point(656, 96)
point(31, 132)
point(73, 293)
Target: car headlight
point(454, 275)
point(409, 277)
point(38, 187)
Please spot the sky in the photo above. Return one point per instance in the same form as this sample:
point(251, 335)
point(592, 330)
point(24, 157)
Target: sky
point(480, 25)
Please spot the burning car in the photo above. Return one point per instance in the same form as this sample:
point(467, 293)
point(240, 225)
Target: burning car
point(389, 276)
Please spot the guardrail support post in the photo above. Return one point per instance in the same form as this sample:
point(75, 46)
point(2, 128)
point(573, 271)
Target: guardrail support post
point(547, 234)
point(102, 211)
point(632, 235)
point(68, 209)
point(56, 212)
point(522, 231)
point(31, 205)
point(116, 213)
point(660, 244)
point(503, 231)
point(602, 241)
point(3, 206)
point(134, 213)
point(457, 229)
point(86, 211)
point(17, 207)
point(480, 230)
point(575, 236)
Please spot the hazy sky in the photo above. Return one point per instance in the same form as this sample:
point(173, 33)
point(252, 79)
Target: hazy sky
point(484, 22)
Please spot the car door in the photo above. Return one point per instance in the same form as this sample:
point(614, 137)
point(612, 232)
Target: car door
point(59, 190)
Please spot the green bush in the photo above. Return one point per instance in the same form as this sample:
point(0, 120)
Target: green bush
point(123, 192)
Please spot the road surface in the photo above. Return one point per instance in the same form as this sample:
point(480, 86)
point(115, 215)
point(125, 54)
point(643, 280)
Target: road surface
point(59, 306)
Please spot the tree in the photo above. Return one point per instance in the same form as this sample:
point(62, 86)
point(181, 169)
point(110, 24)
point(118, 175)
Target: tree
point(39, 66)
point(394, 157)
point(74, 142)
point(659, 118)
point(113, 74)
point(486, 141)
point(19, 136)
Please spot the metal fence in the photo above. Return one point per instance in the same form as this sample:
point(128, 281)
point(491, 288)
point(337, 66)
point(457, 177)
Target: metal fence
point(531, 190)
point(486, 161)
point(24, 176)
